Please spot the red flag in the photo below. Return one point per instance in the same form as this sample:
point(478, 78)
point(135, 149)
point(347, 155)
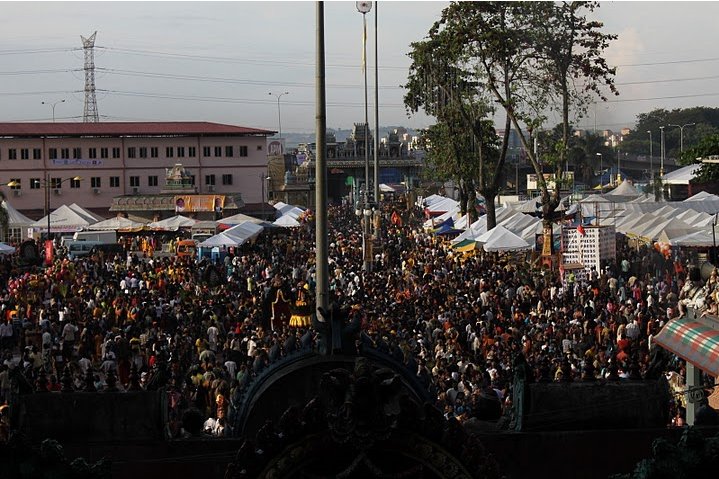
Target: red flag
point(580, 230)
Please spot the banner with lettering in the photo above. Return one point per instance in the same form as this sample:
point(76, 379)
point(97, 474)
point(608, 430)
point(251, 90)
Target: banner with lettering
point(48, 252)
point(197, 203)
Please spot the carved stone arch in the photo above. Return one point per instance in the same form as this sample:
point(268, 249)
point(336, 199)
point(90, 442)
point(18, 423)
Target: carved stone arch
point(406, 454)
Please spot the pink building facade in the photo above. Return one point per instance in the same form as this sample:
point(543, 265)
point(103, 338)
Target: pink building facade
point(116, 159)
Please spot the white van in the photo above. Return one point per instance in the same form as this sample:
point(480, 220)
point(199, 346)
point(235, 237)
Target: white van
point(78, 249)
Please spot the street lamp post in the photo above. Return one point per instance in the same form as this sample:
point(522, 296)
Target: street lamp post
point(651, 157)
point(47, 185)
point(279, 112)
point(364, 8)
point(681, 135)
point(601, 173)
point(661, 146)
point(52, 105)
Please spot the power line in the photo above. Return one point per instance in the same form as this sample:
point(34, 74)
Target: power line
point(36, 50)
point(672, 97)
point(669, 62)
point(37, 72)
point(206, 58)
point(234, 100)
point(225, 80)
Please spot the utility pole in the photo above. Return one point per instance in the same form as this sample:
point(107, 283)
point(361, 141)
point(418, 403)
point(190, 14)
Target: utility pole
point(651, 157)
point(321, 255)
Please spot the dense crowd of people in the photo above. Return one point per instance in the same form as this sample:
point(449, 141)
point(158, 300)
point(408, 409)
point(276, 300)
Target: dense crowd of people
point(457, 320)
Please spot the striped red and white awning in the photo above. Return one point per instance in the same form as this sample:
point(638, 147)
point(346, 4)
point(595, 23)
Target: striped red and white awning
point(694, 341)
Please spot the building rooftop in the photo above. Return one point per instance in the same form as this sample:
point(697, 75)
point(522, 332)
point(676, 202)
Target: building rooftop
point(169, 128)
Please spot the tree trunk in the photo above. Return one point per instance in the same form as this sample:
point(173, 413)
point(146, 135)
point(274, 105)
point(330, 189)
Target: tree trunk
point(489, 196)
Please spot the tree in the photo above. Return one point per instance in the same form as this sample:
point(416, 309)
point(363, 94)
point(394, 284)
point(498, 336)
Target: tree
point(525, 56)
point(706, 147)
point(459, 146)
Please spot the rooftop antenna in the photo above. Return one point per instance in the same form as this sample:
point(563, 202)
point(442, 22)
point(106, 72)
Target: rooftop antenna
point(89, 114)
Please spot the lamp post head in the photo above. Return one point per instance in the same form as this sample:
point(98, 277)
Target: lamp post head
point(12, 184)
point(364, 7)
point(77, 178)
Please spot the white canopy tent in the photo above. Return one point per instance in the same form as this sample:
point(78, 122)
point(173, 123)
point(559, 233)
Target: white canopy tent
point(702, 196)
point(285, 209)
point(172, 224)
point(17, 223)
point(6, 249)
point(244, 231)
point(219, 240)
point(682, 176)
point(116, 224)
point(64, 220)
point(91, 217)
point(286, 221)
point(239, 218)
point(500, 239)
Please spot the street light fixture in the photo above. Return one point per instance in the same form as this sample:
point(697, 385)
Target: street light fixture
point(601, 173)
point(53, 104)
point(681, 135)
point(47, 184)
point(279, 112)
point(364, 8)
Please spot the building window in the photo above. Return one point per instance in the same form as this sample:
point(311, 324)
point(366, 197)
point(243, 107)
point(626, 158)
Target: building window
point(243, 151)
point(55, 183)
point(152, 180)
point(154, 152)
point(192, 180)
point(210, 180)
point(169, 152)
point(12, 154)
point(259, 147)
point(114, 182)
point(218, 151)
point(229, 151)
point(205, 151)
point(74, 183)
point(180, 151)
point(25, 154)
point(103, 153)
point(17, 182)
point(34, 183)
point(227, 179)
point(135, 181)
point(143, 152)
point(36, 154)
point(92, 153)
point(64, 153)
point(77, 153)
point(116, 152)
point(191, 151)
point(52, 153)
point(96, 182)
point(132, 152)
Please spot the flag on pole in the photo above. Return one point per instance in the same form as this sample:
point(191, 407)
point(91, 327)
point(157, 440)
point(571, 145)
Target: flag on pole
point(580, 230)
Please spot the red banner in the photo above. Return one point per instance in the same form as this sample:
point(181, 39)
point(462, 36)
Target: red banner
point(48, 252)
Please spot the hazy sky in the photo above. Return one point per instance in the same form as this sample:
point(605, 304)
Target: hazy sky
point(217, 61)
